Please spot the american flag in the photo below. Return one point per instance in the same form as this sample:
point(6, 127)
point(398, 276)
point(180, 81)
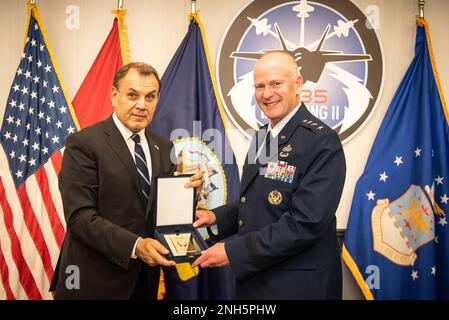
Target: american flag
point(37, 120)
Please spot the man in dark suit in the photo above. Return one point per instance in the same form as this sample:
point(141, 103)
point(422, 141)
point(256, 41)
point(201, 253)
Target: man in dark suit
point(108, 197)
point(286, 245)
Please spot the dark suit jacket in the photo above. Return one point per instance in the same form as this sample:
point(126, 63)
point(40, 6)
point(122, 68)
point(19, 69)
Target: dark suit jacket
point(289, 250)
point(106, 212)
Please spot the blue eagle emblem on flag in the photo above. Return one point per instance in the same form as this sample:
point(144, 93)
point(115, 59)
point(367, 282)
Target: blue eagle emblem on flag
point(402, 226)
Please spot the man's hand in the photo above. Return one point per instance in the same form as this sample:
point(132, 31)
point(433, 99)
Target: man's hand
point(205, 218)
point(152, 252)
point(196, 181)
point(215, 256)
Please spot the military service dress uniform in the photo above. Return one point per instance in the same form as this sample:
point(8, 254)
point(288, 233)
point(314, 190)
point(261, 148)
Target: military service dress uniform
point(286, 245)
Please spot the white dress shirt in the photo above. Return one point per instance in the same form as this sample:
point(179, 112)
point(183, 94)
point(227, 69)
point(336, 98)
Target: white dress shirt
point(127, 134)
point(278, 127)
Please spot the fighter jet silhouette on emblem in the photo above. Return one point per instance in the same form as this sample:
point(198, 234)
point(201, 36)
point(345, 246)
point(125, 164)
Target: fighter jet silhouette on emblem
point(310, 63)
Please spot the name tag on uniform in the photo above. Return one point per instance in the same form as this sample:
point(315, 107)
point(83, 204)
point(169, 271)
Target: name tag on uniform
point(280, 171)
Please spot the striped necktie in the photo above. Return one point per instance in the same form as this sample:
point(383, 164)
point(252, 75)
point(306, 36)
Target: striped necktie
point(141, 164)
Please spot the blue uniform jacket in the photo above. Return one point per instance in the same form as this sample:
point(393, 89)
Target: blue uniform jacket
point(286, 245)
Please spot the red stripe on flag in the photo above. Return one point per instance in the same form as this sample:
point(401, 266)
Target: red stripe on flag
point(56, 160)
point(26, 278)
point(55, 222)
point(4, 273)
point(35, 230)
point(92, 102)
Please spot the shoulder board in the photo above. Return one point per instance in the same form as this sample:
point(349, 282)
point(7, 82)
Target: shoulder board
point(313, 125)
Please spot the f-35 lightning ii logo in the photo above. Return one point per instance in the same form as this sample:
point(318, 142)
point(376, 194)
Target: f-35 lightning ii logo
point(336, 50)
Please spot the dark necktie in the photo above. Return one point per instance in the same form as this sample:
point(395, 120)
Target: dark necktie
point(141, 164)
point(268, 139)
point(265, 148)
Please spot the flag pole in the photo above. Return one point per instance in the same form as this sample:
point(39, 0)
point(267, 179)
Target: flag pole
point(421, 8)
point(193, 6)
point(32, 2)
point(120, 4)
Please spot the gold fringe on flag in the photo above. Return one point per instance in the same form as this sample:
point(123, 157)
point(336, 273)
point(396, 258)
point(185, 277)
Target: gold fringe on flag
point(123, 34)
point(161, 290)
point(423, 23)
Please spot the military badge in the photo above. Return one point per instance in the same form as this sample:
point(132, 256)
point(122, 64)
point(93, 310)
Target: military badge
point(271, 169)
point(287, 148)
point(280, 171)
point(275, 197)
point(290, 173)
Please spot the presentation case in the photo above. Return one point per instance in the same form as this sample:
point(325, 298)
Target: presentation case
point(175, 214)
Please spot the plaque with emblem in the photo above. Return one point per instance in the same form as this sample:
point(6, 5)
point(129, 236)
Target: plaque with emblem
point(173, 219)
point(182, 244)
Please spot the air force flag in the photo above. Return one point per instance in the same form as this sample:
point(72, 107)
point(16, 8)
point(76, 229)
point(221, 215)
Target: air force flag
point(397, 239)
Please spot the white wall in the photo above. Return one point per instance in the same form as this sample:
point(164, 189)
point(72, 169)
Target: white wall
point(156, 28)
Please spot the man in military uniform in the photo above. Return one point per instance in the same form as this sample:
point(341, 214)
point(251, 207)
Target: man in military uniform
point(286, 245)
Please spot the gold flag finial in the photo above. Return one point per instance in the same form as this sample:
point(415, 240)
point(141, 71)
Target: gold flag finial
point(421, 8)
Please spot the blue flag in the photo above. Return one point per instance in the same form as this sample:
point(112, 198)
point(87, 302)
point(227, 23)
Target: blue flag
point(397, 239)
point(190, 114)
